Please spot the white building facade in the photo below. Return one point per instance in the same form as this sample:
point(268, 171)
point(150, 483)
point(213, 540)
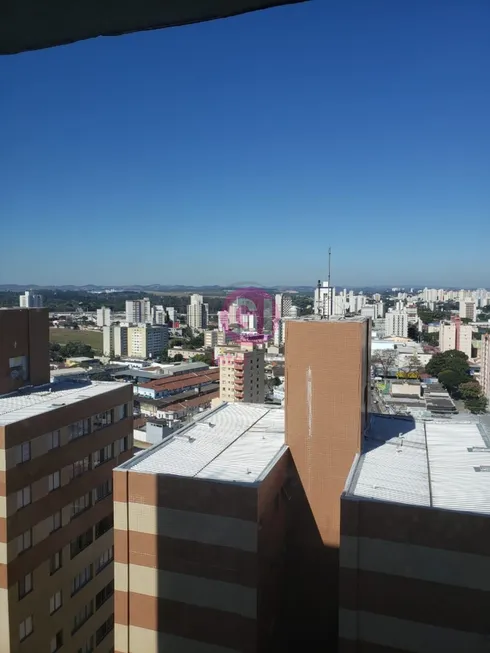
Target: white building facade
point(138, 311)
point(104, 316)
point(29, 300)
point(197, 313)
point(396, 324)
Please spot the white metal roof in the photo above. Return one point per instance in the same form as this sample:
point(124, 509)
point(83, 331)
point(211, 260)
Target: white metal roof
point(41, 399)
point(233, 443)
point(424, 464)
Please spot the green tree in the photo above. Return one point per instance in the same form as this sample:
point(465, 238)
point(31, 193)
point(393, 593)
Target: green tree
point(449, 360)
point(451, 380)
point(163, 356)
point(207, 358)
point(477, 405)
point(177, 358)
point(470, 390)
point(430, 338)
point(77, 349)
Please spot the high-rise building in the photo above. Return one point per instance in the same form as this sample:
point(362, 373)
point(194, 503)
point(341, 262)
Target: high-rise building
point(138, 311)
point(172, 313)
point(197, 313)
point(242, 374)
point(104, 316)
point(58, 445)
point(485, 365)
point(158, 315)
point(455, 335)
point(147, 341)
point(115, 340)
point(29, 300)
point(467, 308)
point(327, 405)
point(396, 324)
point(199, 536)
point(214, 337)
point(284, 304)
point(24, 348)
point(415, 522)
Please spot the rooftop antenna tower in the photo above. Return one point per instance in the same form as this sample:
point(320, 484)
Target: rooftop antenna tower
point(330, 293)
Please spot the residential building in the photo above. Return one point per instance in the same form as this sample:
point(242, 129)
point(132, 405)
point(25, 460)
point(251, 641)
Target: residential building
point(197, 313)
point(327, 406)
point(242, 375)
point(214, 337)
point(455, 335)
point(374, 311)
point(30, 300)
point(172, 313)
point(485, 365)
point(415, 523)
point(159, 314)
point(146, 340)
point(115, 340)
point(199, 536)
point(138, 311)
point(396, 324)
point(284, 304)
point(24, 348)
point(104, 316)
point(467, 309)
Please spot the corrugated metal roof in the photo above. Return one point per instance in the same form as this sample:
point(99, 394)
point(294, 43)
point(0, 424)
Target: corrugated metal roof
point(424, 463)
point(233, 443)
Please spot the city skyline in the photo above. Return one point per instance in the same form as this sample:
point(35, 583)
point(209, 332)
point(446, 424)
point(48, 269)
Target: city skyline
point(357, 126)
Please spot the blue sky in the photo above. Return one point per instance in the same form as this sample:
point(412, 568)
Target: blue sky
point(241, 149)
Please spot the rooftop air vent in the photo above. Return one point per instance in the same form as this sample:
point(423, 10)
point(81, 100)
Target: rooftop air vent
point(482, 468)
point(479, 449)
point(57, 405)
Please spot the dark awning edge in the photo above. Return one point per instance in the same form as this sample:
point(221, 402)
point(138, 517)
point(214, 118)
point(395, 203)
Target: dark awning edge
point(37, 24)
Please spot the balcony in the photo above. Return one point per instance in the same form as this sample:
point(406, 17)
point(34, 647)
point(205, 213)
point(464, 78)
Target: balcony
point(238, 394)
point(238, 374)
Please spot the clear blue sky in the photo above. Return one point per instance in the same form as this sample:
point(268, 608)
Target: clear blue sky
point(241, 149)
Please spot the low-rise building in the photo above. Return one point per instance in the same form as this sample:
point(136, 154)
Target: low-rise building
point(214, 337)
point(167, 387)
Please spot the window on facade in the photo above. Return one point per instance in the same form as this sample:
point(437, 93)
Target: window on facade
point(103, 526)
point(55, 562)
point(125, 410)
point(25, 585)
point(25, 628)
point(24, 497)
point(55, 602)
point(81, 542)
point(104, 560)
point(81, 579)
point(79, 429)
point(56, 521)
point(104, 630)
point(24, 452)
point(81, 504)
point(103, 490)
point(24, 541)
point(123, 444)
point(54, 440)
point(84, 615)
point(102, 419)
point(57, 642)
point(79, 467)
point(54, 481)
point(88, 647)
point(104, 594)
point(103, 455)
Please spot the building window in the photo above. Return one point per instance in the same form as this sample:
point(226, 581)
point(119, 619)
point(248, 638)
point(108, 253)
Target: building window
point(125, 410)
point(79, 429)
point(25, 585)
point(54, 481)
point(103, 455)
point(24, 497)
point(104, 630)
point(24, 541)
point(103, 419)
point(79, 467)
point(81, 579)
point(88, 647)
point(103, 490)
point(57, 642)
point(102, 562)
point(24, 452)
point(123, 444)
point(56, 523)
point(25, 628)
point(81, 542)
point(104, 594)
point(81, 504)
point(55, 602)
point(54, 440)
point(55, 563)
point(84, 615)
point(103, 526)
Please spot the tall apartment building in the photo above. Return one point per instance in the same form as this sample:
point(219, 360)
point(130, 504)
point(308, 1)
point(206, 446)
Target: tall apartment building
point(104, 316)
point(197, 313)
point(172, 313)
point(147, 341)
point(396, 324)
point(455, 335)
point(485, 365)
point(467, 308)
point(242, 375)
point(327, 405)
point(30, 300)
point(138, 311)
point(199, 537)
point(58, 445)
point(24, 351)
point(284, 304)
point(415, 526)
point(214, 337)
point(115, 340)
point(158, 315)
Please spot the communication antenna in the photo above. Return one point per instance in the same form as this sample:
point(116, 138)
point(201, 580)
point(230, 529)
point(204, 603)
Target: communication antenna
point(330, 293)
